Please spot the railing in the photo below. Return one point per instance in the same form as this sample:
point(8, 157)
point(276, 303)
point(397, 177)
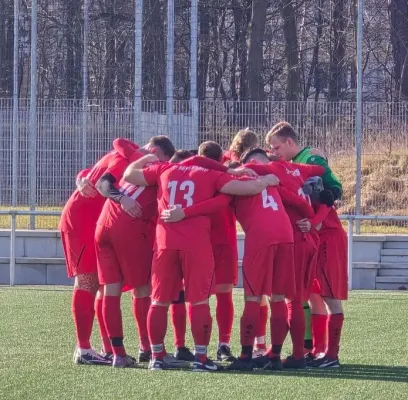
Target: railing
point(349, 218)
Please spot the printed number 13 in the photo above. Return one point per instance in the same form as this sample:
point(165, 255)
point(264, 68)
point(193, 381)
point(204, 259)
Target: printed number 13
point(187, 187)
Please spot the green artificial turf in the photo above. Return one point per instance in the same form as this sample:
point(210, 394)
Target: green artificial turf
point(37, 342)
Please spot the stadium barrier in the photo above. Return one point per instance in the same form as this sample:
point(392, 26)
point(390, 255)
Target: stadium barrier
point(351, 219)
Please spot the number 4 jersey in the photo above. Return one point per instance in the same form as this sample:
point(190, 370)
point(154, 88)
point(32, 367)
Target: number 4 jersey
point(183, 186)
point(263, 219)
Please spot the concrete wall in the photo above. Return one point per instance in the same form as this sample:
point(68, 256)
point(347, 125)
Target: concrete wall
point(40, 258)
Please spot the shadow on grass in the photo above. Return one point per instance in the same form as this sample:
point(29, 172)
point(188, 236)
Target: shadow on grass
point(347, 371)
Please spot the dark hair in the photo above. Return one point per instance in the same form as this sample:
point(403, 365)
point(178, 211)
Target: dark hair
point(180, 155)
point(194, 152)
point(210, 150)
point(283, 130)
point(255, 150)
point(164, 143)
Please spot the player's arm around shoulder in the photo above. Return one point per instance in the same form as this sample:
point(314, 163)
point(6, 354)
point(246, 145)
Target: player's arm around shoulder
point(137, 174)
point(249, 187)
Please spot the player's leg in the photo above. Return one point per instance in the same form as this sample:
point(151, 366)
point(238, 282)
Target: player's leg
point(308, 338)
point(178, 314)
point(166, 282)
point(260, 339)
point(257, 271)
point(318, 323)
point(333, 279)
point(82, 266)
point(106, 345)
point(283, 287)
point(198, 273)
point(226, 272)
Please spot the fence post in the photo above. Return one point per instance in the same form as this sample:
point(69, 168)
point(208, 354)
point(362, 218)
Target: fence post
point(15, 105)
point(137, 131)
point(85, 85)
point(359, 108)
point(193, 72)
point(350, 251)
point(170, 71)
point(13, 249)
point(32, 143)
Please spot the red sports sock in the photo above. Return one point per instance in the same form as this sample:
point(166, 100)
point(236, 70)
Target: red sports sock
point(201, 324)
point(83, 312)
point(279, 326)
point(297, 327)
point(113, 322)
point(225, 316)
point(157, 328)
point(107, 348)
point(140, 309)
point(179, 321)
point(319, 329)
point(249, 325)
point(334, 326)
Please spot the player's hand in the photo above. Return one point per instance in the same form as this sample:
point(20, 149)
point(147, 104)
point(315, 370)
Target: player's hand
point(86, 188)
point(271, 180)
point(173, 214)
point(304, 225)
point(242, 171)
point(131, 207)
point(318, 152)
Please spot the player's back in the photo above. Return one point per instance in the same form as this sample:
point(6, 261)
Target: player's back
point(263, 219)
point(223, 227)
point(184, 186)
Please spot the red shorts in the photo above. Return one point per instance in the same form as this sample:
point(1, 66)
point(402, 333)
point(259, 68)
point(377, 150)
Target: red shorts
point(79, 251)
point(170, 267)
point(269, 271)
point(332, 273)
point(305, 268)
point(124, 256)
point(226, 264)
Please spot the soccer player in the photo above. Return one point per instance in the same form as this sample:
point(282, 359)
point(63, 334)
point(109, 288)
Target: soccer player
point(124, 247)
point(292, 176)
point(245, 139)
point(183, 250)
point(332, 259)
point(77, 226)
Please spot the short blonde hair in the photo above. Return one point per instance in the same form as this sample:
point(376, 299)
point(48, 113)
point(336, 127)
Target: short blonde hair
point(283, 130)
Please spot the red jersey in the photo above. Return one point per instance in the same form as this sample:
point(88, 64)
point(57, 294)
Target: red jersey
point(291, 178)
point(229, 155)
point(332, 221)
point(263, 219)
point(223, 227)
point(184, 186)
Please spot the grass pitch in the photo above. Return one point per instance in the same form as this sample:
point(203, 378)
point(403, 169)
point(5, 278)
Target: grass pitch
point(37, 343)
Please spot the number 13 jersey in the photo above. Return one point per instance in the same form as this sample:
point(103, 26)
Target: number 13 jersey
point(263, 219)
point(183, 186)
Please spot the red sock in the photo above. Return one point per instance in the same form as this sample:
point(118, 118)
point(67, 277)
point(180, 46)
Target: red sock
point(201, 324)
point(157, 327)
point(297, 327)
point(113, 322)
point(334, 326)
point(319, 329)
point(225, 316)
point(249, 326)
point(140, 309)
point(83, 312)
point(279, 326)
point(179, 321)
point(107, 348)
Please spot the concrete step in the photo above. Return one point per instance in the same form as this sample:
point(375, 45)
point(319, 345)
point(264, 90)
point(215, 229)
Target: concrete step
point(34, 260)
point(391, 286)
point(392, 279)
point(393, 272)
point(394, 259)
point(394, 252)
point(394, 265)
point(396, 245)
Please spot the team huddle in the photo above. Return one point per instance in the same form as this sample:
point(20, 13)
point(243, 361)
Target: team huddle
point(162, 223)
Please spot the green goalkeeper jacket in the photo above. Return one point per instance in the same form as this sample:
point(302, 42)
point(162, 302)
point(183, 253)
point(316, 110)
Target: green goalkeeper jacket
point(330, 180)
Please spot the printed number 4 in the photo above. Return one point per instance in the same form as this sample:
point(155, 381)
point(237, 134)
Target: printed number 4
point(187, 187)
point(269, 201)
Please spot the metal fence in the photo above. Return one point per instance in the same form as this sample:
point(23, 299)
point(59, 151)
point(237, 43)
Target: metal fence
point(38, 172)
